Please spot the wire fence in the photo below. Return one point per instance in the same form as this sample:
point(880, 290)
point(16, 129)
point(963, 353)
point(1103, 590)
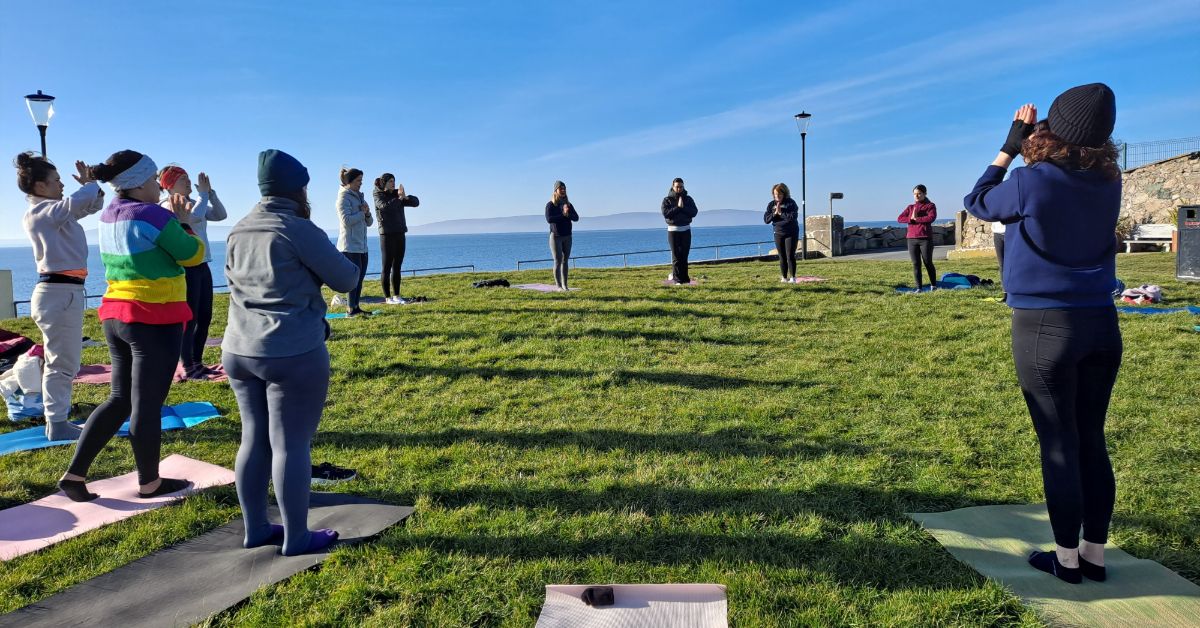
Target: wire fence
point(1142, 153)
point(657, 256)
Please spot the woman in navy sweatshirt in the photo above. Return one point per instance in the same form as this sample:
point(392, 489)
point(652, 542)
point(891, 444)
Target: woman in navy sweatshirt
point(560, 213)
point(919, 216)
point(1059, 269)
point(782, 214)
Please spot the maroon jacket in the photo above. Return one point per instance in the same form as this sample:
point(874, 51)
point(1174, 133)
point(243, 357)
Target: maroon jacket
point(919, 216)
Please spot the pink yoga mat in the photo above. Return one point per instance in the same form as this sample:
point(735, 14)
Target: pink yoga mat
point(658, 605)
point(218, 377)
point(102, 374)
point(809, 278)
point(540, 287)
point(33, 526)
point(213, 342)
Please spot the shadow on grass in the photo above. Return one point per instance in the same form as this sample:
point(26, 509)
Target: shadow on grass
point(621, 377)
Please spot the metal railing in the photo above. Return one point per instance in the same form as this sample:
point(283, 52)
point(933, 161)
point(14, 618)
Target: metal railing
point(414, 271)
point(1142, 153)
point(625, 255)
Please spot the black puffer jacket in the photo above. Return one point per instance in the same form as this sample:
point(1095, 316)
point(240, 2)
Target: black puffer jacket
point(787, 223)
point(389, 211)
point(675, 215)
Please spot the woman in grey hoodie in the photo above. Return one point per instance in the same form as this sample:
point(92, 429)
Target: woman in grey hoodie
point(60, 251)
point(354, 216)
point(274, 349)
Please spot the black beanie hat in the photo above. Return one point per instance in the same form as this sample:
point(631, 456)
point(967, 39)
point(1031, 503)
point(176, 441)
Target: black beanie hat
point(279, 173)
point(1084, 115)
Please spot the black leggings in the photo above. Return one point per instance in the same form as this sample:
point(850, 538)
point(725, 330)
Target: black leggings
point(786, 245)
point(998, 242)
point(1067, 362)
point(143, 365)
point(921, 250)
point(360, 260)
point(195, 331)
point(392, 246)
point(681, 244)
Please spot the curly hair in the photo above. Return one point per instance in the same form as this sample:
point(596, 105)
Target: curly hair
point(783, 189)
point(1043, 145)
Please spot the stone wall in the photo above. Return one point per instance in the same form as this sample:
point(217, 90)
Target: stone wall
point(1153, 193)
point(868, 238)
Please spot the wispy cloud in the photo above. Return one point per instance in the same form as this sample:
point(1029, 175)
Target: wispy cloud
point(1006, 46)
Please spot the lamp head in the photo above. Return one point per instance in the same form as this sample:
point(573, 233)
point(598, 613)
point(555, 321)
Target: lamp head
point(41, 108)
point(802, 120)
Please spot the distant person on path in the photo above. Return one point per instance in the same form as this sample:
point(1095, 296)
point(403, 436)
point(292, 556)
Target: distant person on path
point(354, 216)
point(274, 350)
point(390, 201)
point(195, 215)
point(60, 252)
point(560, 213)
point(919, 216)
point(1059, 270)
point(678, 209)
point(144, 248)
point(783, 214)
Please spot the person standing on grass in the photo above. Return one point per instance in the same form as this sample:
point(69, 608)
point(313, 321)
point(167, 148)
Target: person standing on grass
point(274, 350)
point(1059, 271)
point(678, 209)
point(919, 216)
point(354, 216)
point(560, 213)
point(783, 214)
point(60, 252)
point(195, 215)
point(144, 248)
point(998, 230)
point(390, 201)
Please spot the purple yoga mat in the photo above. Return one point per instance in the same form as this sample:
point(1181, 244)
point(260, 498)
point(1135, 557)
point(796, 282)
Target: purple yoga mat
point(540, 287)
point(102, 374)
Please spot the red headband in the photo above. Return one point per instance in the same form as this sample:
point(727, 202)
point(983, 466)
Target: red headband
point(170, 175)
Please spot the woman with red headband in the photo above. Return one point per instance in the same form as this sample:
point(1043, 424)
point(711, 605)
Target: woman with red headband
point(174, 180)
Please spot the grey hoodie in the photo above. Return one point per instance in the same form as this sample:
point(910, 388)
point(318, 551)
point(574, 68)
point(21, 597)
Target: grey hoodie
point(275, 262)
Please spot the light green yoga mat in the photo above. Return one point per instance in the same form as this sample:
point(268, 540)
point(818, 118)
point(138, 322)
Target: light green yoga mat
point(996, 540)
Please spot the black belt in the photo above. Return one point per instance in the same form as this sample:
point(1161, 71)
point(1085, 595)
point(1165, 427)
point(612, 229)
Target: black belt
point(59, 278)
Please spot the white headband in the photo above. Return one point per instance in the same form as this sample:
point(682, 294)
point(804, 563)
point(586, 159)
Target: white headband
point(136, 175)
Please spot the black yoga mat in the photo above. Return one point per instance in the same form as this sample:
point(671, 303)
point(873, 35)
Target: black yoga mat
point(186, 583)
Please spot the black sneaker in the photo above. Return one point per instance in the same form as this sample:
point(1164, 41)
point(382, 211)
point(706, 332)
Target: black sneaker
point(326, 474)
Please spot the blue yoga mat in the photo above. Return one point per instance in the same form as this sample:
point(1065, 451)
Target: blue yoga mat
point(177, 417)
point(941, 285)
point(1147, 309)
point(336, 315)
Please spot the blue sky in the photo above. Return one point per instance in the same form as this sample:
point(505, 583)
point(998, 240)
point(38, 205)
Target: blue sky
point(479, 106)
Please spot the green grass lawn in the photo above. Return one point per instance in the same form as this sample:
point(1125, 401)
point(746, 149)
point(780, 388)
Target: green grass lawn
point(767, 437)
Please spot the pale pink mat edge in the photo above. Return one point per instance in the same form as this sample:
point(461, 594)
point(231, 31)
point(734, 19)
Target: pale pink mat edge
point(115, 493)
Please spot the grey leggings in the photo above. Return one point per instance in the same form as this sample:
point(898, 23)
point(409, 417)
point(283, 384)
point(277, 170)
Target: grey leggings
point(560, 248)
point(280, 400)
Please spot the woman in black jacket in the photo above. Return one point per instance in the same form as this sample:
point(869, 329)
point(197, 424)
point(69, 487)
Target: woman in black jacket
point(390, 201)
point(783, 213)
point(678, 209)
point(560, 213)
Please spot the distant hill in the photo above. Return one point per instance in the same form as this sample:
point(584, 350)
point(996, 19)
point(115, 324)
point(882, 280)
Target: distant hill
point(625, 220)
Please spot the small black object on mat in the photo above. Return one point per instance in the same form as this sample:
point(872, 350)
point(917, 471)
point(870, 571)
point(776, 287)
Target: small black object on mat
point(491, 283)
point(184, 584)
point(598, 596)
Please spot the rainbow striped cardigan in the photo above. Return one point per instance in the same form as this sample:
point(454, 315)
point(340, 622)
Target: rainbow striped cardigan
point(144, 247)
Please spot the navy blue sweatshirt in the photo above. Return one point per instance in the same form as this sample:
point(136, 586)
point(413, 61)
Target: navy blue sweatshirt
point(675, 215)
point(787, 223)
point(560, 225)
point(1061, 250)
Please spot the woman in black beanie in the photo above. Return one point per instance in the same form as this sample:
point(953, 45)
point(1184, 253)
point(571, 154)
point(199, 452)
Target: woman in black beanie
point(1059, 270)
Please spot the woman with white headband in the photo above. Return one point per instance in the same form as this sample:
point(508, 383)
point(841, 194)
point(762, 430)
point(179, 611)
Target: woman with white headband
point(144, 248)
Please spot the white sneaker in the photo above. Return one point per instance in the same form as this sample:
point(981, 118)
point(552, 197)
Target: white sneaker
point(783, 280)
point(793, 280)
point(398, 300)
point(670, 276)
point(337, 300)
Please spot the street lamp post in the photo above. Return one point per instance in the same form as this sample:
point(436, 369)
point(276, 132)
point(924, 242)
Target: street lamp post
point(41, 108)
point(832, 197)
point(802, 120)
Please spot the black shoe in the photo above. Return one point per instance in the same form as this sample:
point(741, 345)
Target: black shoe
point(326, 474)
point(1048, 562)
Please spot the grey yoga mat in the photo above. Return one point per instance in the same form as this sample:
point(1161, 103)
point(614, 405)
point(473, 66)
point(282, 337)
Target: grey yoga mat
point(995, 541)
point(186, 583)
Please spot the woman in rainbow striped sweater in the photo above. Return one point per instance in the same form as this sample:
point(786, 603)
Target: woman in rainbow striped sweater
point(144, 249)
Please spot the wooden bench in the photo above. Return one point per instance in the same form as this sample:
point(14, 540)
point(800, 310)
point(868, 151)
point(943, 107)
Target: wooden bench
point(1157, 235)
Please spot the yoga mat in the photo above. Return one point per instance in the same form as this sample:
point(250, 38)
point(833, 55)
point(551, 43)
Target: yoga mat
point(185, 584)
point(649, 605)
point(33, 526)
point(541, 287)
point(1150, 309)
point(672, 282)
point(336, 315)
point(213, 342)
point(176, 417)
point(94, 374)
point(809, 279)
point(219, 375)
point(940, 286)
point(996, 540)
